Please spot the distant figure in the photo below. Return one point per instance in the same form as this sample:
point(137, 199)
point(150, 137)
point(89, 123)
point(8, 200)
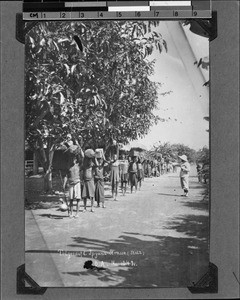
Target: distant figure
point(162, 166)
point(184, 174)
point(149, 169)
point(170, 167)
point(174, 167)
point(199, 172)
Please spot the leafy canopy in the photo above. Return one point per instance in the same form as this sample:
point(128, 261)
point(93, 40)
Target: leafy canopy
point(90, 79)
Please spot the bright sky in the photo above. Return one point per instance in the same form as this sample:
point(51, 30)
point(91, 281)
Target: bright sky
point(185, 107)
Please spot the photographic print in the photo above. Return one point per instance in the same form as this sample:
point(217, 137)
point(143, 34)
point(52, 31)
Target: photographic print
point(117, 169)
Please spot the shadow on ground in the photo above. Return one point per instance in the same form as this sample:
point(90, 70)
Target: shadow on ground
point(150, 260)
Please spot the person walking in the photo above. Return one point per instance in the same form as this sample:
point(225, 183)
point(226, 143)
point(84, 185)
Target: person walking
point(99, 181)
point(199, 172)
point(184, 174)
point(115, 176)
point(73, 178)
point(140, 173)
point(132, 170)
point(124, 164)
point(88, 179)
point(162, 166)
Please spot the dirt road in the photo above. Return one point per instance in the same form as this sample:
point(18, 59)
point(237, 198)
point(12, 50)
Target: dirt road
point(152, 238)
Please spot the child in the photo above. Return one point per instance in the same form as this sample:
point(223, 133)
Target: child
point(73, 176)
point(149, 169)
point(88, 182)
point(184, 174)
point(140, 174)
point(124, 164)
point(99, 181)
point(129, 161)
point(114, 176)
point(133, 173)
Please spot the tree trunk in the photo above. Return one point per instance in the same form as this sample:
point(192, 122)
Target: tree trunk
point(45, 157)
point(48, 187)
point(35, 164)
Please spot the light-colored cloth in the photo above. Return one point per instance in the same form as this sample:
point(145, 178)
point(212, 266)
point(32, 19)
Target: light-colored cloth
point(124, 164)
point(114, 176)
point(184, 183)
point(184, 176)
point(75, 191)
point(185, 169)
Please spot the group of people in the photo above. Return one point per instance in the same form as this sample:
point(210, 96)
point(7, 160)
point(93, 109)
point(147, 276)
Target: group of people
point(85, 175)
point(158, 167)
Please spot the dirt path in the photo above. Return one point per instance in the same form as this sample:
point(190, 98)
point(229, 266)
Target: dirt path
point(154, 238)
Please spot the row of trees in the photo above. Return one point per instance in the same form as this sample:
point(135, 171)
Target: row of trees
point(172, 151)
point(90, 80)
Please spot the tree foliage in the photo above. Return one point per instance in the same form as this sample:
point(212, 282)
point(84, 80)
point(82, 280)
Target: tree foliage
point(90, 79)
point(203, 156)
point(172, 151)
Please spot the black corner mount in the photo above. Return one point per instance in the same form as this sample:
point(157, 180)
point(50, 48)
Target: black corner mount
point(32, 287)
point(208, 283)
point(204, 27)
point(23, 27)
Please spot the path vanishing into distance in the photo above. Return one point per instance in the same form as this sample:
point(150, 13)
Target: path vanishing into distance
point(152, 238)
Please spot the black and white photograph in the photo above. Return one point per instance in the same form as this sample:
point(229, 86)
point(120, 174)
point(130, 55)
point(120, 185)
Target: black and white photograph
point(117, 154)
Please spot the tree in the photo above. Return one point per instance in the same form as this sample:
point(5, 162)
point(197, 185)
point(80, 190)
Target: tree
point(89, 79)
point(203, 155)
point(172, 151)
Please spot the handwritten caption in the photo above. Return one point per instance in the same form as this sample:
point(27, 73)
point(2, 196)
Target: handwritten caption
point(100, 255)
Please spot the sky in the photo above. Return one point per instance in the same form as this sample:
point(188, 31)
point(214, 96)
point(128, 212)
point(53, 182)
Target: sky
point(188, 102)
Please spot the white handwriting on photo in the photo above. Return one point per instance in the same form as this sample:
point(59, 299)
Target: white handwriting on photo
point(99, 254)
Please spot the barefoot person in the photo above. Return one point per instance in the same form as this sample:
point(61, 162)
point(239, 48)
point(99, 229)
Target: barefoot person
point(133, 173)
point(73, 177)
point(140, 173)
point(124, 173)
point(88, 178)
point(99, 180)
point(74, 155)
point(184, 174)
point(115, 176)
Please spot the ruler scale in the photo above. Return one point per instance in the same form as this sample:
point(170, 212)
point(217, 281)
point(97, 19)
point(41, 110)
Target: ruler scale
point(74, 10)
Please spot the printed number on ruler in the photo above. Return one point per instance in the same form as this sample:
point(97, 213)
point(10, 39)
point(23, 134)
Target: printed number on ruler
point(119, 14)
